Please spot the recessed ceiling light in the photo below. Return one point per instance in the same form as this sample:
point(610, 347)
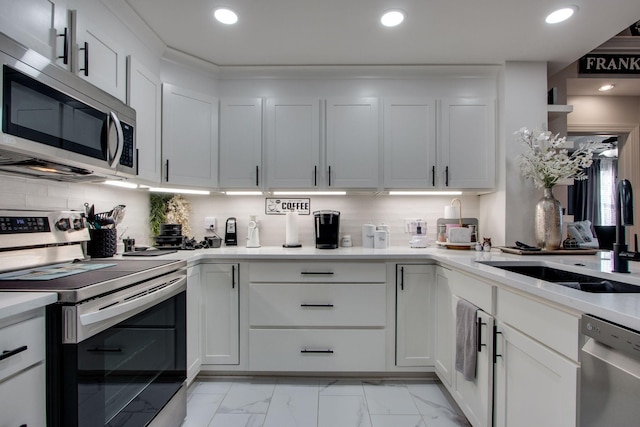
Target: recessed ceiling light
point(225, 16)
point(561, 15)
point(605, 88)
point(391, 18)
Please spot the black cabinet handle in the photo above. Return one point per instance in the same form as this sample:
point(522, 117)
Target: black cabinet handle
point(326, 273)
point(137, 161)
point(329, 176)
point(446, 176)
point(317, 305)
point(402, 278)
point(86, 59)
point(166, 177)
point(433, 176)
point(233, 276)
point(495, 341)
point(8, 353)
point(305, 351)
point(65, 48)
point(257, 176)
point(479, 324)
point(315, 176)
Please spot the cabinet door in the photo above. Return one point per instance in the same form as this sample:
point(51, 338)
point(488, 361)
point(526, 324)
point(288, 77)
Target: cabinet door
point(409, 143)
point(22, 398)
point(476, 397)
point(293, 143)
point(352, 143)
point(467, 145)
point(415, 320)
point(37, 24)
point(194, 321)
point(99, 59)
point(240, 143)
point(534, 385)
point(189, 137)
point(444, 330)
point(221, 321)
point(144, 94)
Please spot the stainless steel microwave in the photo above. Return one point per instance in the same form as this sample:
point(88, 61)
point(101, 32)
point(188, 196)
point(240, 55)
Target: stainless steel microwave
point(57, 126)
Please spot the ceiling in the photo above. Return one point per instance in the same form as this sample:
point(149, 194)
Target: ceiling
point(348, 32)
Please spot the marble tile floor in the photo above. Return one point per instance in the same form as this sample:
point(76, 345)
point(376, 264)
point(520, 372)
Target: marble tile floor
point(312, 402)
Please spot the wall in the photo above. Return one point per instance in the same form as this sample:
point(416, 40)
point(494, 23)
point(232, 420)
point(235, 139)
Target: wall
point(355, 210)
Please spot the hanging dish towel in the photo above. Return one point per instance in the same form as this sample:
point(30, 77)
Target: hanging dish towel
point(466, 336)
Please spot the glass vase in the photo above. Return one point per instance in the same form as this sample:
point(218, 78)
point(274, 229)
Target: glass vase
point(548, 221)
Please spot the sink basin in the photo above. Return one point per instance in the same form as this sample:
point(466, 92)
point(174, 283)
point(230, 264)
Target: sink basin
point(582, 282)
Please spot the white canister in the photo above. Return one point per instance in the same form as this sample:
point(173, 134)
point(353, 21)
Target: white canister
point(381, 239)
point(386, 228)
point(368, 235)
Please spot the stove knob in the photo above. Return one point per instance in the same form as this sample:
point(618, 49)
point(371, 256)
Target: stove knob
point(63, 224)
point(78, 223)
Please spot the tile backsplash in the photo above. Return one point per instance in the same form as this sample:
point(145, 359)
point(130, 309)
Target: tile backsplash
point(355, 210)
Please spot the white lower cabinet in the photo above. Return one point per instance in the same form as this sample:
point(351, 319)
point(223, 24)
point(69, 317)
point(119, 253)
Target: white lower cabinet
point(220, 318)
point(22, 371)
point(535, 386)
point(445, 327)
point(317, 316)
point(194, 321)
point(415, 319)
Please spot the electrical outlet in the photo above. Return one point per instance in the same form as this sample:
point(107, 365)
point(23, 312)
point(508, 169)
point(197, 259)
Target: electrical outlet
point(210, 223)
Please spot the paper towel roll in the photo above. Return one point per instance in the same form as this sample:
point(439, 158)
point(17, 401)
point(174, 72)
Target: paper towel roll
point(451, 212)
point(291, 230)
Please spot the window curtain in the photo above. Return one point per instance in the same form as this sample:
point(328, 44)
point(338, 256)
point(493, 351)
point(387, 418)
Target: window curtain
point(593, 199)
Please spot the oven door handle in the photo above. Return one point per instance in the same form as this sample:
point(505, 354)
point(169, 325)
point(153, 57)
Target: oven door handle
point(138, 303)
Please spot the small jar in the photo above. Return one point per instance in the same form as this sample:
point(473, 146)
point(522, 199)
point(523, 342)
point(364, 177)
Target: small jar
point(346, 241)
point(442, 233)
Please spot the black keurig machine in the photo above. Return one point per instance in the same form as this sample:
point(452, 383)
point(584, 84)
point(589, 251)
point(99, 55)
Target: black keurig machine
point(327, 229)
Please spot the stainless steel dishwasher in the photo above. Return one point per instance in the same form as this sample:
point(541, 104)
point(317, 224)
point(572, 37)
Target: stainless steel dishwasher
point(610, 374)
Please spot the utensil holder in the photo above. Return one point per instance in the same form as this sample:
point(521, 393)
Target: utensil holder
point(103, 243)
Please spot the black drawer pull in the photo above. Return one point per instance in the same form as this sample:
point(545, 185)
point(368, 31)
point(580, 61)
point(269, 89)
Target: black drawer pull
point(305, 351)
point(86, 59)
point(326, 273)
point(104, 350)
point(8, 353)
point(479, 324)
point(317, 305)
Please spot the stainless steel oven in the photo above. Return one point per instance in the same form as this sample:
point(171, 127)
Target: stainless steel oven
point(116, 340)
point(610, 374)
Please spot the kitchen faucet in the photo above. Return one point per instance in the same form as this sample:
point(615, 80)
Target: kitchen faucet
point(624, 217)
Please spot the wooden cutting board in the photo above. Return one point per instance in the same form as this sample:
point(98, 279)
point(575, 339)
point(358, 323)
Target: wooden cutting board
point(518, 251)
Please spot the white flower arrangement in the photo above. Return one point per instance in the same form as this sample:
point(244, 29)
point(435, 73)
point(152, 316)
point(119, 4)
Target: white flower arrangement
point(178, 211)
point(547, 162)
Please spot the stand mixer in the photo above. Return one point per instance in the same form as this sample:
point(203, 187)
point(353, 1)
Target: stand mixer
point(417, 228)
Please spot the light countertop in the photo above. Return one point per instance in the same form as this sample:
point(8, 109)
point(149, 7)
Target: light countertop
point(623, 309)
point(16, 303)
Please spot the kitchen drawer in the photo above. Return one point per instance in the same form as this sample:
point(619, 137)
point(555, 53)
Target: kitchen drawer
point(553, 327)
point(318, 272)
point(474, 290)
point(326, 350)
point(29, 334)
point(22, 399)
point(319, 304)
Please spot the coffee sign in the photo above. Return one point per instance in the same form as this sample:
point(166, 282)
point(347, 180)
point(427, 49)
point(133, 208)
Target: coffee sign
point(279, 206)
point(609, 64)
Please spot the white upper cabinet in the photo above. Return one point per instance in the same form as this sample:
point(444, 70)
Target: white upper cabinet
point(41, 25)
point(409, 143)
point(98, 58)
point(240, 143)
point(293, 143)
point(352, 143)
point(189, 137)
point(144, 94)
point(467, 148)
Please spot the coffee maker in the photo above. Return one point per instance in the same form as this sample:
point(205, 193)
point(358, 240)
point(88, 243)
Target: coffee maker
point(327, 226)
point(230, 233)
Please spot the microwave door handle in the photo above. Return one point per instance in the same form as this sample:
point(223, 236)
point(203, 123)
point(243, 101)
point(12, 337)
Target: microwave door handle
point(117, 152)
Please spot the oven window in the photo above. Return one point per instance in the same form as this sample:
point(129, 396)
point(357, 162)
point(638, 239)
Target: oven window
point(126, 374)
point(40, 113)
